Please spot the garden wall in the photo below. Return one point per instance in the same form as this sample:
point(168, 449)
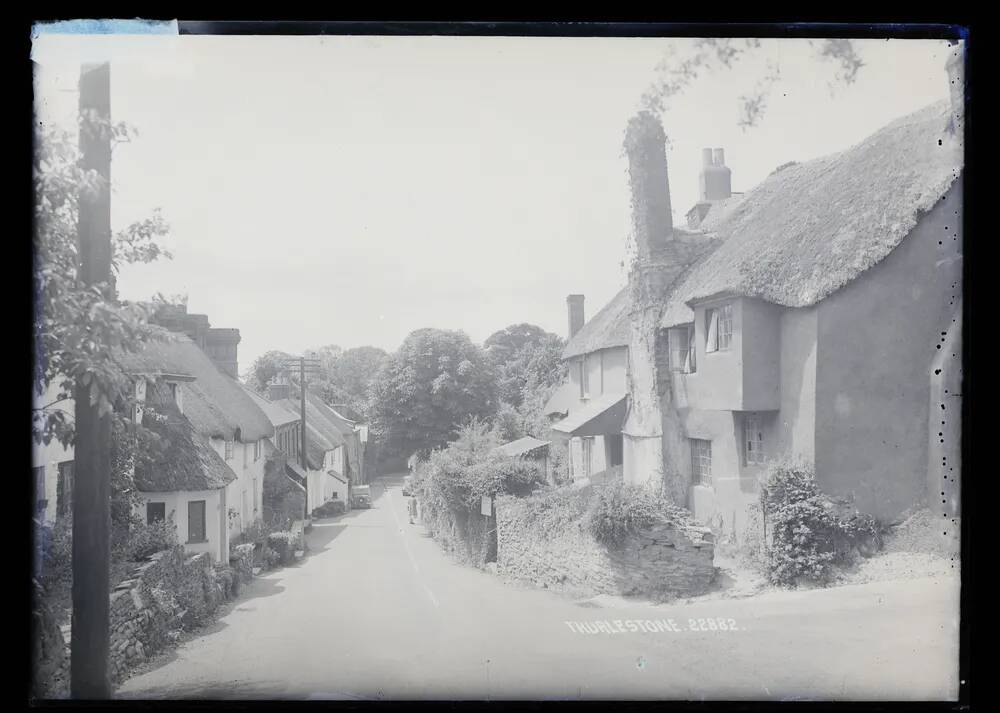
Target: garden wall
point(663, 561)
point(171, 591)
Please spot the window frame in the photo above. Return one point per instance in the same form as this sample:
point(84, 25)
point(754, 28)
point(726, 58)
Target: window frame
point(204, 522)
point(752, 423)
point(587, 455)
point(584, 378)
point(150, 503)
point(228, 450)
point(701, 461)
point(722, 315)
point(65, 475)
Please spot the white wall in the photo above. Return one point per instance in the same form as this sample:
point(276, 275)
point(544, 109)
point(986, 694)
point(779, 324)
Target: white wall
point(245, 495)
point(176, 505)
point(50, 456)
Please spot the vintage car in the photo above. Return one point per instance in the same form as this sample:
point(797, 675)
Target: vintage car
point(361, 496)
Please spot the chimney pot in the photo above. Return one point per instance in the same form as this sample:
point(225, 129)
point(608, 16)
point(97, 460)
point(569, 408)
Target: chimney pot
point(715, 180)
point(574, 309)
point(720, 158)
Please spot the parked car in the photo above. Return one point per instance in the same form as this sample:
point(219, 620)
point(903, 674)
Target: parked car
point(408, 485)
point(361, 497)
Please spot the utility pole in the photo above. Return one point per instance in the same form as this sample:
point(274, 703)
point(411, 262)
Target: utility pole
point(311, 366)
point(90, 642)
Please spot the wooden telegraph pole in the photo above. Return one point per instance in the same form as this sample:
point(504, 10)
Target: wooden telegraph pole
point(310, 366)
point(90, 634)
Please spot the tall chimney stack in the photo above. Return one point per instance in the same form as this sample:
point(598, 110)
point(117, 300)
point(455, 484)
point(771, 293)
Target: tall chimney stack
point(715, 180)
point(221, 347)
point(574, 309)
point(652, 222)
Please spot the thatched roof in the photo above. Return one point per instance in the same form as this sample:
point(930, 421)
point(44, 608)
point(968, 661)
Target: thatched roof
point(277, 414)
point(179, 458)
point(322, 433)
point(214, 402)
point(608, 328)
point(810, 228)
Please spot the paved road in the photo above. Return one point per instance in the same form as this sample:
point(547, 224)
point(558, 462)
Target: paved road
point(378, 611)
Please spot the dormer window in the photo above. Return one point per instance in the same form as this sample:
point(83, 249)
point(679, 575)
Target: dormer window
point(173, 391)
point(229, 449)
point(719, 325)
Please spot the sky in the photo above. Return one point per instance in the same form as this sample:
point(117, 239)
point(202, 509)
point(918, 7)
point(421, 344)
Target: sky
point(349, 190)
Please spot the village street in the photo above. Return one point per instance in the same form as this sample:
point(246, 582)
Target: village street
point(377, 610)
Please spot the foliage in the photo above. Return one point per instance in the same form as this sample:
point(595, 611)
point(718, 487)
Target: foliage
point(56, 544)
point(452, 481)
point(347, 378)
point(79, 330)
point(525, 358)
point(619, 510)
point(264, 369)
point(330, 508)
point(553, 509)
point(148, 539)
point(809, 534)
point(678, 70)
point(283, 543)
point(437, 380)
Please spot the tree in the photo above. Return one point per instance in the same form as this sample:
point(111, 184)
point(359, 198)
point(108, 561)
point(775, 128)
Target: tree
point(345, 376)
point(78, 331)
point(421, 394)
point(526, 358)
point(679, 69)
point(264, 369)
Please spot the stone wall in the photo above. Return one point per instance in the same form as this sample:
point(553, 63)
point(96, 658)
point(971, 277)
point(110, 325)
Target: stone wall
point(662, 562)
point(170, 592)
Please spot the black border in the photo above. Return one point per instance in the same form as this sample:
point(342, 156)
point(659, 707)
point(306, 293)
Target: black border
point(974, 261)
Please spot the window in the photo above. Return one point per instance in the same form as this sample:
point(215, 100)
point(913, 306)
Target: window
point(229, 449)
point(701, 461)
point(682, 349)
point(256, 451)
point(173, 391)
point(719, 325)
point(254, 496)
point(39, 473)
point(245, 450)
point(588, 450)
point(196, 521)
point(156, 512)
point(584, 378)
point(753, 441)
point(64, 489)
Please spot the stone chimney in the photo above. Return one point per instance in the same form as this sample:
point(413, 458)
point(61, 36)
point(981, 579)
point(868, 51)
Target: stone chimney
point(955, 67)
point(574, 310)
point(652, 222)
point(715, 181)
point(221, 346)
point(279, 389)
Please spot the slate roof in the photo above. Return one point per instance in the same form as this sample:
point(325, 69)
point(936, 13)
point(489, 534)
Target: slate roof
point(521, 446)
point(323, 432)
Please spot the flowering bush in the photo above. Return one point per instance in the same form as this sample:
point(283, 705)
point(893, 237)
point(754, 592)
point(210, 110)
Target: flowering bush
point(809, 534)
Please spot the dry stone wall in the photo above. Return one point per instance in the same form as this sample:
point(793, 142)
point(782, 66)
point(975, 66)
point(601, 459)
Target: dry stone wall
point(662, 562)
point(171, 591)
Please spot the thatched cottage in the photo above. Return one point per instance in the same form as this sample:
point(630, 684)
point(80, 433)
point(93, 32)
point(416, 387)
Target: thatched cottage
point(816, 316)
point(209, 473)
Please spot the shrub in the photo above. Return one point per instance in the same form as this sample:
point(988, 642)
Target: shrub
point(810, 534)
point(619, 510)
point(148, 539)
point(283, 543)
point(56, 561)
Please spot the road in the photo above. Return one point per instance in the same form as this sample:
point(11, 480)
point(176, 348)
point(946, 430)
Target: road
point(378, 611)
